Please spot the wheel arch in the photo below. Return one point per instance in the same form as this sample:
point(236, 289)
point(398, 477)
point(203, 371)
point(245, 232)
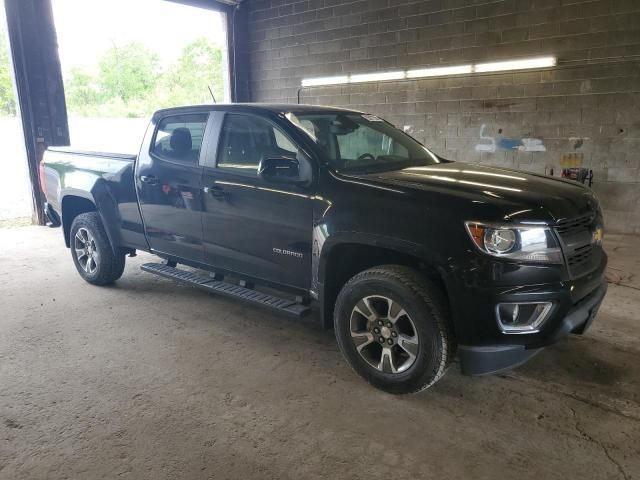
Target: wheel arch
point(343, 258)
point(72, 205)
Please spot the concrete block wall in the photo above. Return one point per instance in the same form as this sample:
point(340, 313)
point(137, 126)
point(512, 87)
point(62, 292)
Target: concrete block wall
point(584, 112)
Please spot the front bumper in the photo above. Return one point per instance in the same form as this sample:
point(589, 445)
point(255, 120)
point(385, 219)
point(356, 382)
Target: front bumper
point(481, 360)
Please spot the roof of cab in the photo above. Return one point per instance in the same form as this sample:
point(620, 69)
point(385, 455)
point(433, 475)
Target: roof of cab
point(244, 107)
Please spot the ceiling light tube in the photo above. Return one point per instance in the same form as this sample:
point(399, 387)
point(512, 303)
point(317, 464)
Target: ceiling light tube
point(522, 64)
point(377, 77)
point(440, 71)
point(314, 82)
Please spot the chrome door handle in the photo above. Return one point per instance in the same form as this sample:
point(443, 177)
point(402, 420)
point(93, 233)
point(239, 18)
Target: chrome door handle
point(216, 192)
point(150, 179)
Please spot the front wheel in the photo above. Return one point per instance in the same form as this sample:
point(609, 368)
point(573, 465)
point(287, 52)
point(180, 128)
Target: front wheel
point(392, 326)
point(91, 251)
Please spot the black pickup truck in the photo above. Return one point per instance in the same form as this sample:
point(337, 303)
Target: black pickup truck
point(410, 257)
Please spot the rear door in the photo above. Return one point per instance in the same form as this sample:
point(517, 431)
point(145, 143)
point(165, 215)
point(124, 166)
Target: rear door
point(169, 185)
point(252, 227)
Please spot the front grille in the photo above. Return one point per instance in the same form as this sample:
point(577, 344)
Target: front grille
point(580, 256)
point(575, 225)
point(576, 240)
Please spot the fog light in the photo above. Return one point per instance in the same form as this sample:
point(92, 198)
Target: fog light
point(522, 317)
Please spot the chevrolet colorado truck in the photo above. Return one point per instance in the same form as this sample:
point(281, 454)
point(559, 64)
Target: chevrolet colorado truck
point(410, 258)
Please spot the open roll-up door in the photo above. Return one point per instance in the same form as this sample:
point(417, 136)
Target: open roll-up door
point(38, 77)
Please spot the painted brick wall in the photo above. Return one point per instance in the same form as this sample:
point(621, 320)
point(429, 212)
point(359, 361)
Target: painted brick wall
point(584, 112)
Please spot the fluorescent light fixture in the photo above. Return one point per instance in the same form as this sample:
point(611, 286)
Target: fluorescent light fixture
point(491, 174)
point(440, 71)
point(467, 182)
point(520, 64)
point(377, 77)
point(314, 82)
point(537, 62)
point(432, 169)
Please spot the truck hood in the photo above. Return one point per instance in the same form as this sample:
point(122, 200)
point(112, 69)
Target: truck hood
point(519, 196)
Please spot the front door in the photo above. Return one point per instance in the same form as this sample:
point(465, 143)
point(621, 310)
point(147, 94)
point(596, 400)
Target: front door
point(252, 227)
point(168, 180)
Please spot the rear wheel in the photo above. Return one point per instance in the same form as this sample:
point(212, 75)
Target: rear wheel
point(91, 251)
point(392, 326)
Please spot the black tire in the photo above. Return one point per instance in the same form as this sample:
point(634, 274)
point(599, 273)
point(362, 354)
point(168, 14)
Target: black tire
point(105, 266)
point(427, 315)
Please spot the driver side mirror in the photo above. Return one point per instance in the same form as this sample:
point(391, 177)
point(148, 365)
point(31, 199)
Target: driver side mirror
point(279, 170)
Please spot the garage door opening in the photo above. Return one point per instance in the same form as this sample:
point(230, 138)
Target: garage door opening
point(123, 60)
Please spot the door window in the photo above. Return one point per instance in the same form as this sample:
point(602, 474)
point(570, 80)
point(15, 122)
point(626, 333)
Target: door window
point(247, 139)
point(179, 138)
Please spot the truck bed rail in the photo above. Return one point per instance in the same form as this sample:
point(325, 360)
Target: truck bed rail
point(119, 156)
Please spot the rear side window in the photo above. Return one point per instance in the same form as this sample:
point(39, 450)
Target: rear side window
point(247, 139)
point(179, 138)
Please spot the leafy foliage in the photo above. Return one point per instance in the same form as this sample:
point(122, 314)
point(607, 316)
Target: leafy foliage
point(130, 83)
point(128, 73)
point(7, 97)
point(198, 68)
point(82, 88)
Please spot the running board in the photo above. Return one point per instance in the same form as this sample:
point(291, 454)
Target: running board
point(212, 285)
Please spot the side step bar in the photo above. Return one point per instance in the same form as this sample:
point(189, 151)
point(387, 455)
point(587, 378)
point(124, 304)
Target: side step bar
point(227, 289)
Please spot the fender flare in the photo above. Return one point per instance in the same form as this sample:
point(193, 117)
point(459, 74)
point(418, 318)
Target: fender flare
point(326, 246)
point(103, 201)
point(374, 240)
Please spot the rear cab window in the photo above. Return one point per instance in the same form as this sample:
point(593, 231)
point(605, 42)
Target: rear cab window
point(179, 138)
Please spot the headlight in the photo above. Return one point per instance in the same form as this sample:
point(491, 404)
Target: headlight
point(522, 243)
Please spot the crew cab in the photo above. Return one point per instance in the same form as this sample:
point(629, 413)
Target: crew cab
point(411, 258)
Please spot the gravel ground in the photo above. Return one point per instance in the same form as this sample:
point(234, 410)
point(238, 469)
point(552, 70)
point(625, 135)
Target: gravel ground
point(148, 379)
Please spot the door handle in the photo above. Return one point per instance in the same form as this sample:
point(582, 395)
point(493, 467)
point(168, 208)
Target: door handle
point(150, 179)
point(216, 192)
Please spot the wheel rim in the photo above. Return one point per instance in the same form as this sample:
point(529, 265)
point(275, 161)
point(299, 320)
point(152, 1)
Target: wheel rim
point(383, 333)
point(86, 251)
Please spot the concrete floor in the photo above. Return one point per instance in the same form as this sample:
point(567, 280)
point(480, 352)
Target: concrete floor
point(148, 379)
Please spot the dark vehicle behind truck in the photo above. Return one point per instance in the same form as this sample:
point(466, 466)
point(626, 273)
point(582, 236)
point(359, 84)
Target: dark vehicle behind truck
point(411, 258)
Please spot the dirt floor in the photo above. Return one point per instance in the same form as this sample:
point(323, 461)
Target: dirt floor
point(149, 379)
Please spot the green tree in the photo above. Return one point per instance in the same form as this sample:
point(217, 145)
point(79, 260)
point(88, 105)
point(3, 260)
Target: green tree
point(128, 72)
point(82, 90)
point(129, 82)
point(7, 97)
point(198, 68)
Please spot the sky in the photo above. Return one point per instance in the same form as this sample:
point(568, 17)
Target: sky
point(86, 28)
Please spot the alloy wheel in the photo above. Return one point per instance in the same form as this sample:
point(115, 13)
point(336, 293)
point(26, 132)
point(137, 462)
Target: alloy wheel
point(383, 333)
point(86, 251)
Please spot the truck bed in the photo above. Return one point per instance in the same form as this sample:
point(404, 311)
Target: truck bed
point(105, 180)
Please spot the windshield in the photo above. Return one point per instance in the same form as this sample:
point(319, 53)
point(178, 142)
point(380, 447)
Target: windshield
point(353, 142)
